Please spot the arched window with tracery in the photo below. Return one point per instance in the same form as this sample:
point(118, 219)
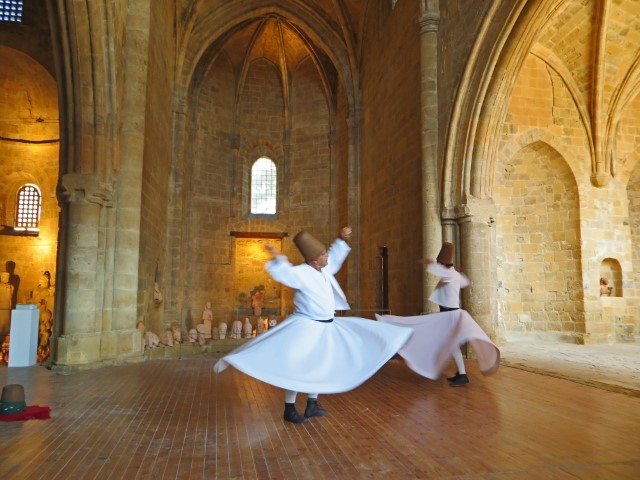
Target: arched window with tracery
point(28, 208)
point(263, 187)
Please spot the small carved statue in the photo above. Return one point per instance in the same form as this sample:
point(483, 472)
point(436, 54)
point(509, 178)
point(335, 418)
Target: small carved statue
point(151, 340)
point(605, 289)
point(176, 333)
point(6, 299)
point(223, 330)
point(43, 297)
point(193, 335)
point(259, 326)
point(247, 329)
point(236, 329)
point(45, 328)
point(157, 294)
point(4, 350)
point(201, 337)
point(207, 319)
point(257, 302)
point(166, 338)
point(201, 331)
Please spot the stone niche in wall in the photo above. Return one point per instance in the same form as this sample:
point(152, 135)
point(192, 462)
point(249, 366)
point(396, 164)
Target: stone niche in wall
point(250, 275)
point(615, 310)
point(611, 277)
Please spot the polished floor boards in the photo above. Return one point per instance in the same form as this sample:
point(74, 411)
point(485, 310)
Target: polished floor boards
point(176, 419)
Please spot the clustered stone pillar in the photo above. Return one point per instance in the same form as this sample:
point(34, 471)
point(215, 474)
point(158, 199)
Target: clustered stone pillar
point(80, 336)
point(89, 334)
point(431, 229)
point(477, 241)
point(353, 279)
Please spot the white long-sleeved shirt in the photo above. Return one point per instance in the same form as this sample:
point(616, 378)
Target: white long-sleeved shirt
point(447, 292)
point(317, 294)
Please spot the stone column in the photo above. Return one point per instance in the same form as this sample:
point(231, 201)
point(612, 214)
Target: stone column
point(477, 256)
point(124, 337)
point(81, 324)
point(431, 228)
point(353, 209)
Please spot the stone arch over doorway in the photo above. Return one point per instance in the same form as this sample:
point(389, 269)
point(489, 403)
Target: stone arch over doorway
point(473, 143)
point(524, 84)
point(538, 244)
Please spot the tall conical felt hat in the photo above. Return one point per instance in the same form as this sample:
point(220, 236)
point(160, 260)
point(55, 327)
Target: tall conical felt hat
point(445, 257)
point(12, 393)
point(309, 246)
point(12, 399)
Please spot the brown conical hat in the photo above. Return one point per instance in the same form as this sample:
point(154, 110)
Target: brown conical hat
point(12, 393)
point(309, 246)
point(445, 257)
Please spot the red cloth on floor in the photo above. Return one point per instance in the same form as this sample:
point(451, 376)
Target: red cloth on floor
point(31, 412)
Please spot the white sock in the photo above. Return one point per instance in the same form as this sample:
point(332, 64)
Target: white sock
point(290, 396)
point(457, 356)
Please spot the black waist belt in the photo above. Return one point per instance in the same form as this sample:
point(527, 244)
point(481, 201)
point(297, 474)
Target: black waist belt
point(448, 309)
point(323, 321)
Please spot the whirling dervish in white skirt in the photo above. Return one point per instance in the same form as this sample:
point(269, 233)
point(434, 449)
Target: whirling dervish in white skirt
point(311, 351)
point(438, 336)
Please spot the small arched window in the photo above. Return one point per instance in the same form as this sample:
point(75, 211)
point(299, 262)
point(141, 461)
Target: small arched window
point(263, 187)
point(11, 11)
point(28, 208)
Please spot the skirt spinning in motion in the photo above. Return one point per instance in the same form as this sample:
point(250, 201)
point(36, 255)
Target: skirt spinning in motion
point(435, 337)
point(319, 357)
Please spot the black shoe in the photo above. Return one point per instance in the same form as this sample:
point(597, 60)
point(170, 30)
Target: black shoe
point(313, 410)
point(454, 378)
point(460, 381)
point(291, 414)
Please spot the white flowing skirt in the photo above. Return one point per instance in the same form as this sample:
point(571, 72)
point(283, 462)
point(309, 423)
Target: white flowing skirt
point(316, 357)
point(435, 337)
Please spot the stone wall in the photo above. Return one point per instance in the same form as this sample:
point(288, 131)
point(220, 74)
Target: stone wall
point(235, 118)
point(391, 162)
point(545, 163)
point(29, 148)
point(538, 244)
point(459, 24)
point(158, 145)
point(628, 167)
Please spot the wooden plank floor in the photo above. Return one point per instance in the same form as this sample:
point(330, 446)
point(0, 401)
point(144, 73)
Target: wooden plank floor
point(176, 419)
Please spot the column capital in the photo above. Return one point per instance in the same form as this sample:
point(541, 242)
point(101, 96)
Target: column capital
point(429, 16)
point(429, 22)
point(472, 209)
point(76, 187)
point(600, 179)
